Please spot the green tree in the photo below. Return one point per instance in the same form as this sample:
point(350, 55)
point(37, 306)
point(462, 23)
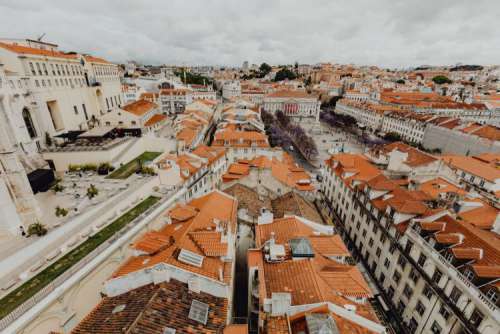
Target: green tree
point(441, 79)
point(37, 228)
point(264, 69)
point(392, 136)
point(285, 73)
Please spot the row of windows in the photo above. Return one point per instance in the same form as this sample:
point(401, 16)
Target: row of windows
point(63, 82)
point(106, 70)
point(39, 68)
point(113, 101)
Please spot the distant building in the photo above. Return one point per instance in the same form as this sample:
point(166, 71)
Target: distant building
point(231, 89)
point(297, 104)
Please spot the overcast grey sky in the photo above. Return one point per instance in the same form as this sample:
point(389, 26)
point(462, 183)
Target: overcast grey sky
point(378, 32)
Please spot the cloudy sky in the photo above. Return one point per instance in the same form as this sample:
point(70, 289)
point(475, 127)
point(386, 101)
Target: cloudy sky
point(379, 32)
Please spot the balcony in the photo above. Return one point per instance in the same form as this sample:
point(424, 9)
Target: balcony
point(454, 274)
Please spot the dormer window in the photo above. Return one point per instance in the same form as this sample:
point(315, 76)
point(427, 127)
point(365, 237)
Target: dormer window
point(469, 274)
point(492, 295)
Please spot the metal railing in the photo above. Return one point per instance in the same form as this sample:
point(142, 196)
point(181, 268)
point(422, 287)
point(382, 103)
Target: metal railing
point(45, 291)
point(452, 271)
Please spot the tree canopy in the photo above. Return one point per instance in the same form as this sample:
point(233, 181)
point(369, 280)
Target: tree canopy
point(192, 78)
point(285, 73)
point(441, 79)
point(265, 69)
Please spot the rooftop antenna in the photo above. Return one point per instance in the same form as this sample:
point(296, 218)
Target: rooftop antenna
point(40, 37)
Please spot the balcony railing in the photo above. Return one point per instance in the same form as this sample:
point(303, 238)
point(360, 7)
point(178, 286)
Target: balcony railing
point(454, 273)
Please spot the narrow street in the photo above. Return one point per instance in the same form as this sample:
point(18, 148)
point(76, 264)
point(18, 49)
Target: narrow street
point(245, 240)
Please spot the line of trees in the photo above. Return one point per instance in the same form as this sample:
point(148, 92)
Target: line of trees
point(334, 119)
point(283, 132)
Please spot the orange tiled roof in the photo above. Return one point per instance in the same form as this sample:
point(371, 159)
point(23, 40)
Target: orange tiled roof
point(438, 186)
point(215, 214)
point(155, 119)
point(473, 166)
point(92, 59)
point(473, 238)
point(140, 107)
point(483, 216)
point(36, 52)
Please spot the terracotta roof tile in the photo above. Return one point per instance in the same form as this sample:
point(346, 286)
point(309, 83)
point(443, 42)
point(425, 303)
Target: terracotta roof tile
point(139, 107)
point(151, 309)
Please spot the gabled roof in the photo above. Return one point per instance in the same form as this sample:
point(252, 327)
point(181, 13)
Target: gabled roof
point(196, 228)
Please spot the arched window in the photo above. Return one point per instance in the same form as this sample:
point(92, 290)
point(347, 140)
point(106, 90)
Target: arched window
point(29, 123)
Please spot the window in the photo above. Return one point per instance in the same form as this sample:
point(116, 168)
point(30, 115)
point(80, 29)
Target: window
point(29, 123)
point(402, 261)
point(437, 276)
point(396, 277)
point(75, 108)
point(85, 111)
point(401, 306)
point(492, 295)
point(444, 312)
point(476, 318)
point(414, 275)
point(382, 276)
point(435, 328)
point(370, 242)
point(455, 294)
point(45, 69)
point(387, 263)
point(392, 248)
point(32, 68)
point(427, 292)
point(378, 251)
point(38, 69)
point(421, 260)
point(469, 274)
point(420, 308)
point(390, 292)
point(413, 325)
point(407, 291)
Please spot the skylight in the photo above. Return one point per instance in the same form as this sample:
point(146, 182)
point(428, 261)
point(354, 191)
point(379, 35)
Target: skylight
point(190, 258)
point(198, 312)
